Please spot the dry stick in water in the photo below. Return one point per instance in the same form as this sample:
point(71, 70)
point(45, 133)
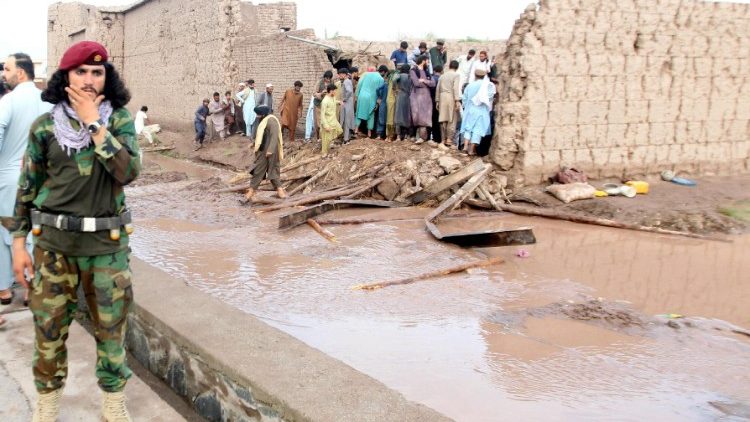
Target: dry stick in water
point(447, 271)
point(310, 180)
point(323, 232)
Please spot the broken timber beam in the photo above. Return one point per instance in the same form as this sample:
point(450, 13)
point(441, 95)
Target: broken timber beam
point(465, 190)
point(446, 182)
point(311, 180)
point(296, 218)
point(558, 215)
point(300, 164)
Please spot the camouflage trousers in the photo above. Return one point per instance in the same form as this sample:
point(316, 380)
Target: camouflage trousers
point(106, 282)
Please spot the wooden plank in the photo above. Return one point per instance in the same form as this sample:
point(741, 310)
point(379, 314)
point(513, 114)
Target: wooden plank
point(446, 182)
point(297, 218)
point(460, 195)
point(503, 236)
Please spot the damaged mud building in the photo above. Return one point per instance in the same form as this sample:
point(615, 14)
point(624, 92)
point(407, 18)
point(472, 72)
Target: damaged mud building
point(613, 87)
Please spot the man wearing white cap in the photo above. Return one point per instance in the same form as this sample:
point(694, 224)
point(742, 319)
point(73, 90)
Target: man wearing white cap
point(266, 98)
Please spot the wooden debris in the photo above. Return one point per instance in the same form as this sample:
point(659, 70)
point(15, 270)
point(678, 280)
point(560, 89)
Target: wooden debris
point(366, 188)
point(483, 189)
point(323, 232)
point(286, 177)
point(300, 164)
point(433, 274)
point(560, 215)
point(296, 218)
point(500, 235)
point(371, 173)
point(155, 149)
point(239, 177)
point(460, 195)
point(309, 199)
point(446, 182)
point(505, 195)
point(311, 180)
point(240, 188)
point(359, 220)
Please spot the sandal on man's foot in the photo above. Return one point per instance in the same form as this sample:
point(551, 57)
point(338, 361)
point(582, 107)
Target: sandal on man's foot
point(7, 300)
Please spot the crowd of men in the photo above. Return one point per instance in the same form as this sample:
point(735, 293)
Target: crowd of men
point(422, 97)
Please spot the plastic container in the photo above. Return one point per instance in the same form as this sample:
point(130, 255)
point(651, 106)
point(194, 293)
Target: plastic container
point(640, 186)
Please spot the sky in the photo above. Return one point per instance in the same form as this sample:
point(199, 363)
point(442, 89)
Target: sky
point(25, 28)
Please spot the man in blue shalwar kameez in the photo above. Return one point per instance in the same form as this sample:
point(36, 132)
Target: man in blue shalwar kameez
point(477, 103)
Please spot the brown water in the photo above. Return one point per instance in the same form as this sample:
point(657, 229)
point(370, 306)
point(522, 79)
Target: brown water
point(491, 344)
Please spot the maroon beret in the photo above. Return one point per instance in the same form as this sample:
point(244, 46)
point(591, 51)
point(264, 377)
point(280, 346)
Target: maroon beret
point(84, 52)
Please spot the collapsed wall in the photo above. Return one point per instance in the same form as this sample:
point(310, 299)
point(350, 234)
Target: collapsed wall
point(623, 88)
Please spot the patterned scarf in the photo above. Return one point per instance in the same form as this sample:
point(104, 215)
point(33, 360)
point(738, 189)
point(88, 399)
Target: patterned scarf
point(69, 138)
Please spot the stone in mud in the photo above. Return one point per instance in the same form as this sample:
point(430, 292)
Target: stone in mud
point(388, 188)
point(449, 164)
point(436, 171)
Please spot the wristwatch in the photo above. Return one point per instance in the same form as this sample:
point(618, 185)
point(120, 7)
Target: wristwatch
point(94, 127)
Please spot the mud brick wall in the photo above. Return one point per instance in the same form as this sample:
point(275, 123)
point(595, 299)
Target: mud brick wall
point(276, 17)
point(281, 61)
point(173, 57)
point(172, 53)
point(624, 88)
point(73, 22)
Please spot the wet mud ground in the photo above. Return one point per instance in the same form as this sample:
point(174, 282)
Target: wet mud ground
point(575, 331)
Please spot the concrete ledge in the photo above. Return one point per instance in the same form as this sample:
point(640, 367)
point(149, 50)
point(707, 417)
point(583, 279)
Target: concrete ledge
point(231, 366)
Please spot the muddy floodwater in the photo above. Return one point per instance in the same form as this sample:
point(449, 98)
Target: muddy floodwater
point(579, 329)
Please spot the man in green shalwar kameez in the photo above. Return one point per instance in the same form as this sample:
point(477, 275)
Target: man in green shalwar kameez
point(367, 97)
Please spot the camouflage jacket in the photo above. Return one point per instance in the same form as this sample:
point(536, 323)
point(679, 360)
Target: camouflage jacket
point(88, 183)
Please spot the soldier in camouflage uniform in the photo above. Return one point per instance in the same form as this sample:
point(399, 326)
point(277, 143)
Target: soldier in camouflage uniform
point(71, 197)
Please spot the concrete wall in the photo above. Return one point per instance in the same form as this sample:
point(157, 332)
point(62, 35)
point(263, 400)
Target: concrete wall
point(230, 366)
point(626, 87)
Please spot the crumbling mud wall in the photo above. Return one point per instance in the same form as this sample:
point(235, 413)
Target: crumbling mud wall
point(173, 57)
point(171, 53)
point(626, 87)
point(73, 22)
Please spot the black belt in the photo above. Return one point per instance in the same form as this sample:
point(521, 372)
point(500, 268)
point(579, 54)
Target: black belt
point(72, 223)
